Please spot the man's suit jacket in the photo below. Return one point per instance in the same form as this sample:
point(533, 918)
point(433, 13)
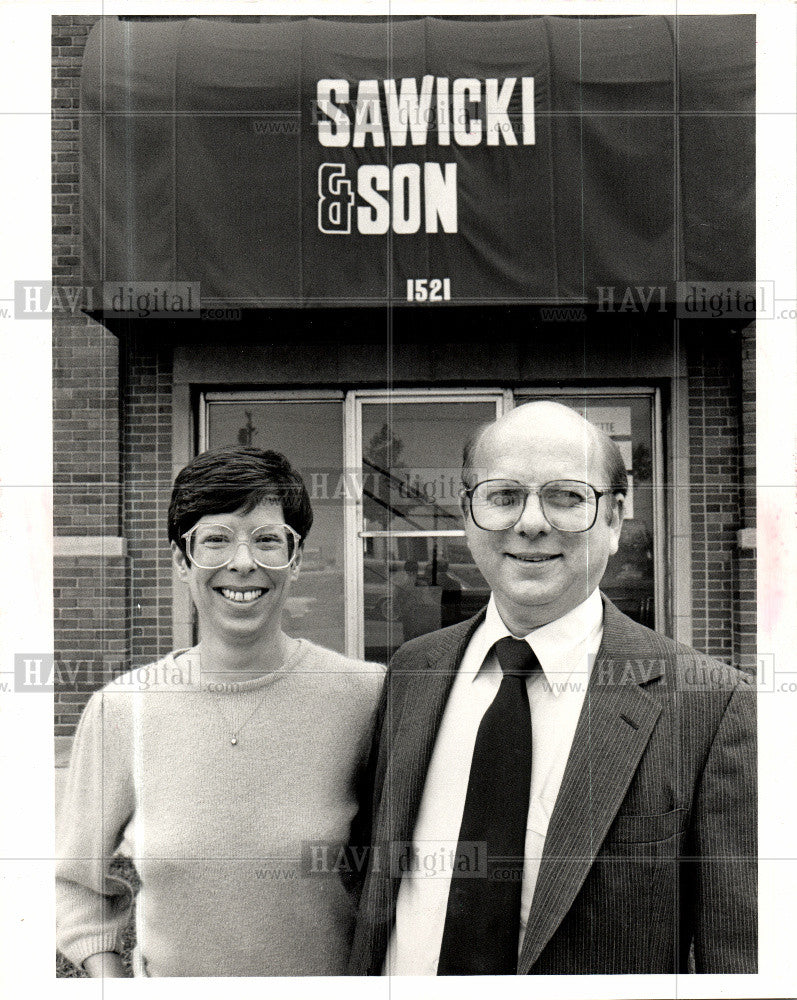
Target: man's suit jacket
point(651, 846)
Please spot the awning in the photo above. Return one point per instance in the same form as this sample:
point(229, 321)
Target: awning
point(331, 161)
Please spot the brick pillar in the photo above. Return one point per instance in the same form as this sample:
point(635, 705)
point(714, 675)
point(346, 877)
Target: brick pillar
point(147, 451)
point(715, 457)
point(89, 572)
point(745, 594)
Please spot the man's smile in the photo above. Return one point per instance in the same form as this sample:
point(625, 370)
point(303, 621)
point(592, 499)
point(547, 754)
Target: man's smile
point(541, 557)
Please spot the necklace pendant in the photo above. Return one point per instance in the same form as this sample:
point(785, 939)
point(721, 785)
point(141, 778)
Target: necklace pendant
point(234, 741)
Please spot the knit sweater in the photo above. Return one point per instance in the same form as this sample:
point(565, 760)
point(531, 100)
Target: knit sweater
point(220, 833)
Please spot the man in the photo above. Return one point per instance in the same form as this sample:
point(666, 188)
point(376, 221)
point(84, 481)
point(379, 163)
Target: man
point(554, 788)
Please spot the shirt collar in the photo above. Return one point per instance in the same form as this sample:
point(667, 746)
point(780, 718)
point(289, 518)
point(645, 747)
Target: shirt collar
point(561, 646)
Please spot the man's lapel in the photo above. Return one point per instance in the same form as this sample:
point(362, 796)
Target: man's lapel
point(613, 730)
point(420, 684)
point(415, 731)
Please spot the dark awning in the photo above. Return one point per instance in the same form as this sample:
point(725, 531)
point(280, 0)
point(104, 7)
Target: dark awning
point(627, 160)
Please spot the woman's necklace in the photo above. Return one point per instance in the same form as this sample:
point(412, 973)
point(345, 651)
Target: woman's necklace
point(236, 730)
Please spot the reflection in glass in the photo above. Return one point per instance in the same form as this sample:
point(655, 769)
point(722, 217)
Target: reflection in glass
point(416, 585)
point(411, 462)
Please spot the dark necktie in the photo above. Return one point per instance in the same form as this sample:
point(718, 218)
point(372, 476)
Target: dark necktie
point(480, 937)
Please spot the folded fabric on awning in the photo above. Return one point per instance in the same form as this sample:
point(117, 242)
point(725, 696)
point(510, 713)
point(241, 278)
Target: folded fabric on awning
point(334, 161)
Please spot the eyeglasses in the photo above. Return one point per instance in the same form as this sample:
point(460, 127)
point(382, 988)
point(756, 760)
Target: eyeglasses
point(272, 546)
point(566, 504)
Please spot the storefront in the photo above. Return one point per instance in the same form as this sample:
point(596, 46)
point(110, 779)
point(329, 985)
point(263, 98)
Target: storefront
point(374, 285)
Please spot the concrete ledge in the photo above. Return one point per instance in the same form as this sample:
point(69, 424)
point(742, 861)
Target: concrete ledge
point(745, 538)
point(63, 750)
point(103, 546)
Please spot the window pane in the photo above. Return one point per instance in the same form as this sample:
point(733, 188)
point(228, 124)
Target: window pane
point(411, 462)
point(310, 435)
point(628, 420)
point(416, 585)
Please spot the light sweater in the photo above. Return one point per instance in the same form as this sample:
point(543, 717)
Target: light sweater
point(220, 834)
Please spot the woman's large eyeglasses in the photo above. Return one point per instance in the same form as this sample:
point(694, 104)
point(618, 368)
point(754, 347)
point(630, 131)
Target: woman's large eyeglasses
point(566, 504)
point(211, 546)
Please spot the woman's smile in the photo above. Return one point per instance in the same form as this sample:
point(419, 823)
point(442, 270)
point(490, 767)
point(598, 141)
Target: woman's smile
point(241, 595)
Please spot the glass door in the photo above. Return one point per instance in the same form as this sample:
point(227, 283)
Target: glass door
point(415, 571)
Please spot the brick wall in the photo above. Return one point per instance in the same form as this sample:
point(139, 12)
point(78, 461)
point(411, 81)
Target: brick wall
point(90, 631)
point(147, 450)
point(89, 589)
point(112, 450)
point(721, 378)
point(745, 593)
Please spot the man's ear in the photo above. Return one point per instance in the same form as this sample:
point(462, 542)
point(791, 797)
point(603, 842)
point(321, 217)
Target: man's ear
point(180, 561)
point(619, 504)
point(464, 506)
point(616, 519)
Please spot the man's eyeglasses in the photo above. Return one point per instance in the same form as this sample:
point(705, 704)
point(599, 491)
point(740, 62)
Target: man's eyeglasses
point(211, 546)
point(567, 504)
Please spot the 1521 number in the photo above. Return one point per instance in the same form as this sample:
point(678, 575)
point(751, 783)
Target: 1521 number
point(428, 289)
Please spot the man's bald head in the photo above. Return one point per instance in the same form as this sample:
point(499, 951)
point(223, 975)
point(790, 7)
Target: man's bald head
point(550, 419)
point(537, 572)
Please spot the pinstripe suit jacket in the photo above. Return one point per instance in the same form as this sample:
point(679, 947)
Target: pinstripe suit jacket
point(651, 847)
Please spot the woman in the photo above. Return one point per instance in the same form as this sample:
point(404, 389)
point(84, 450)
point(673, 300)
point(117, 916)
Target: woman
point(222, 770)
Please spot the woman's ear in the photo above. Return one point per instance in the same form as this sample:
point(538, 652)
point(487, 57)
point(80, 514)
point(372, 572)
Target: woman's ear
point(297, 562)
point(180, 561)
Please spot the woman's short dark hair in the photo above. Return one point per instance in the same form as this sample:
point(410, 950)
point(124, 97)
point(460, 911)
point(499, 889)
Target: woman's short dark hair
point(219, 482)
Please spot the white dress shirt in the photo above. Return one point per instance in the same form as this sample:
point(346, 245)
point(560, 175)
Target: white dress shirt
point(566, 649)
